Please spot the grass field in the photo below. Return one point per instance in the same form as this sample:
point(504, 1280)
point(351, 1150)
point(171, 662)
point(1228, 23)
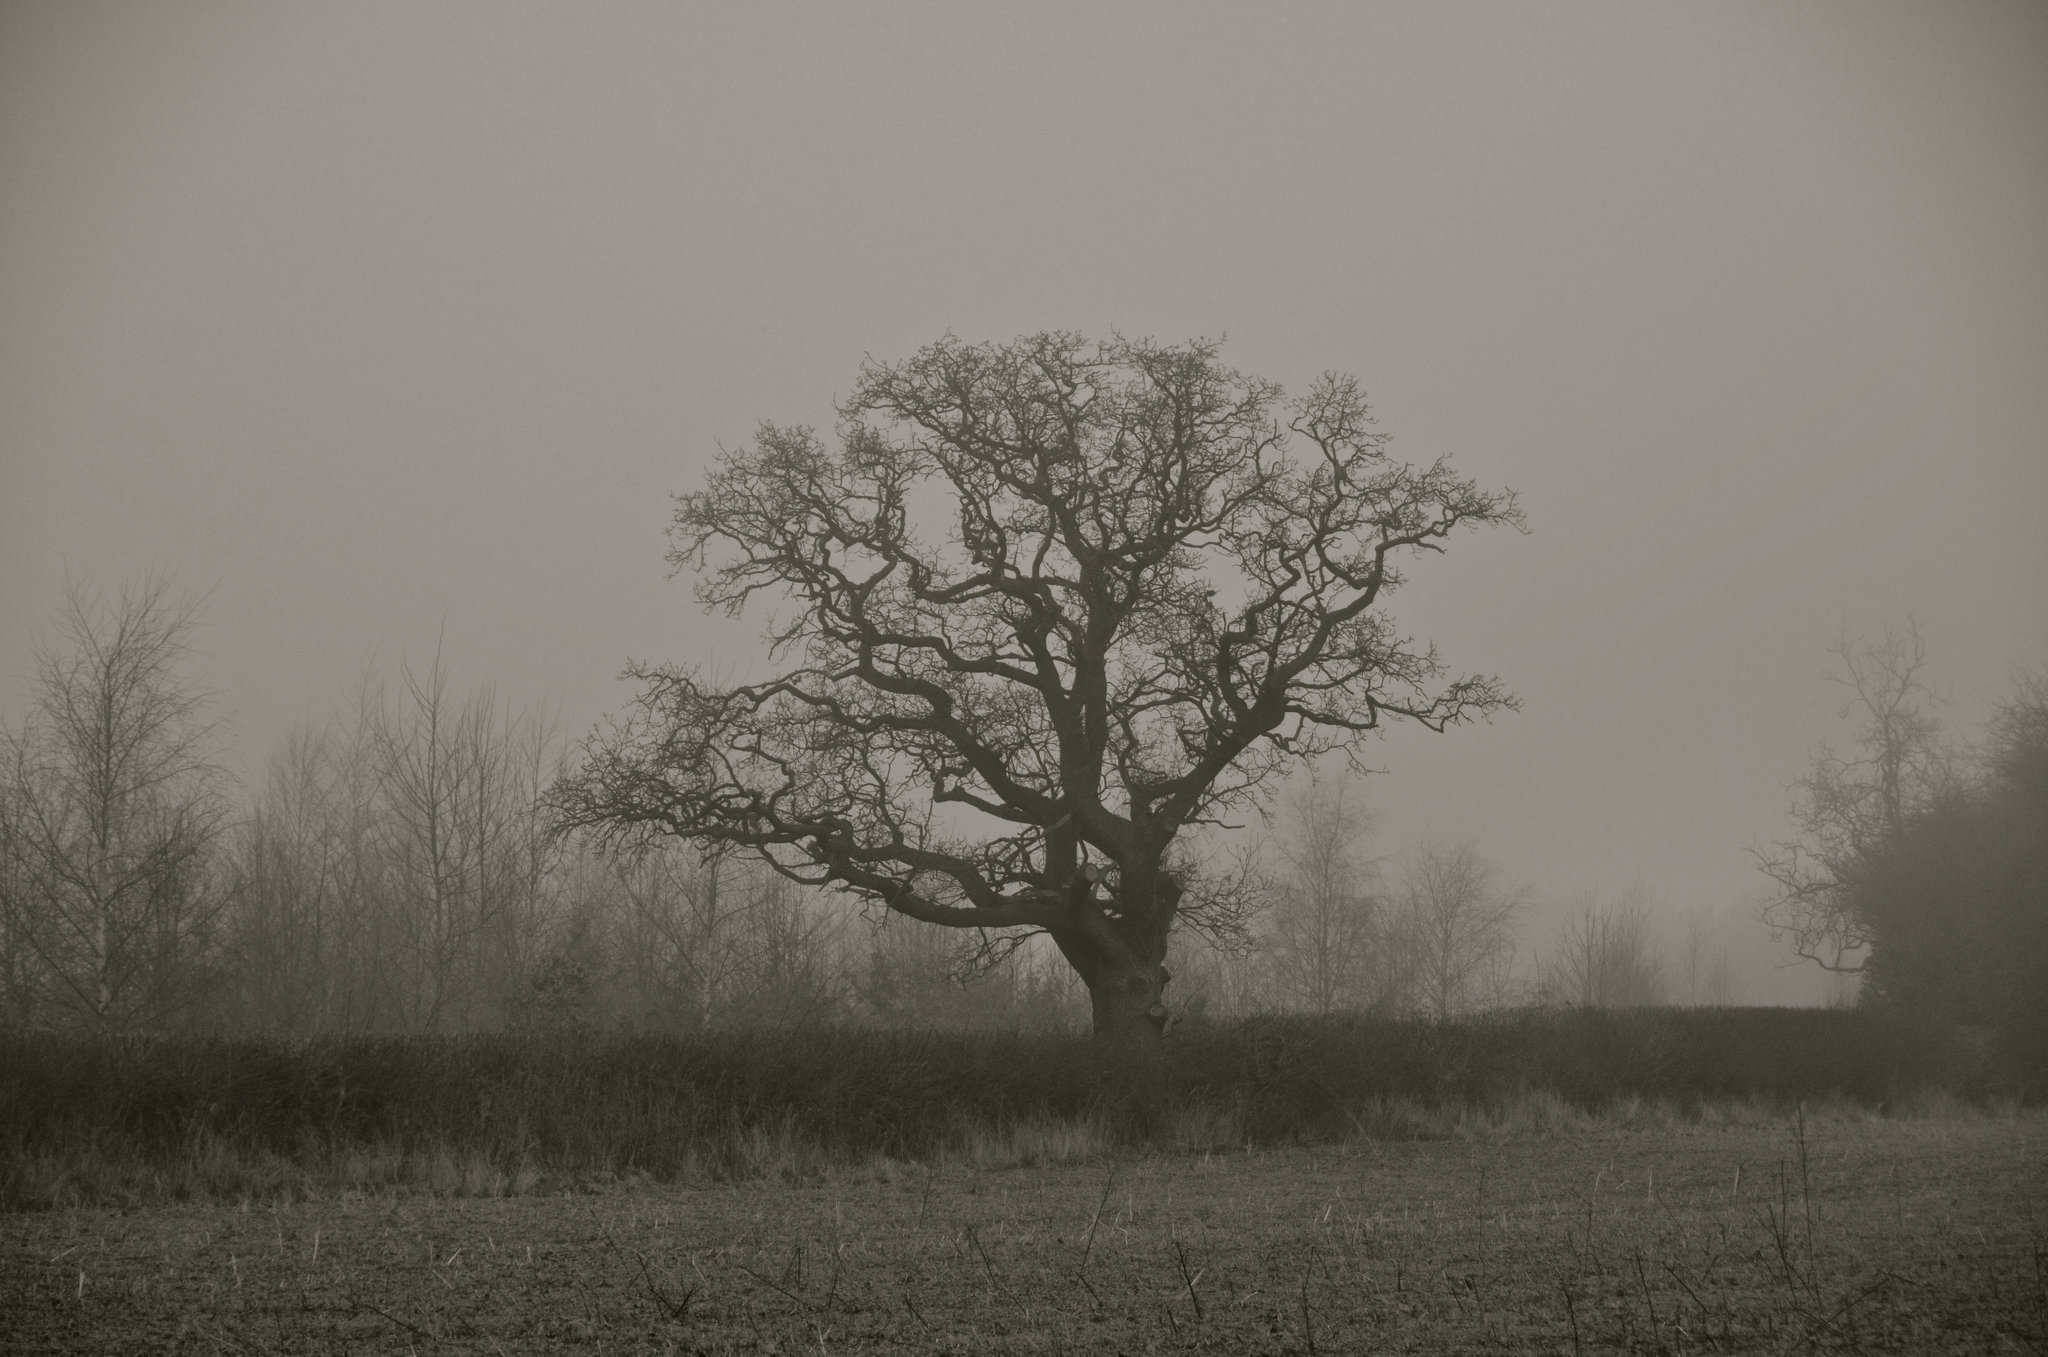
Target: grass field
point(1732, 1227)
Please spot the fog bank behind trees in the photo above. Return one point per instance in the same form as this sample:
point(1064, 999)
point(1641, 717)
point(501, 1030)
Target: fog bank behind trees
point(393, 871)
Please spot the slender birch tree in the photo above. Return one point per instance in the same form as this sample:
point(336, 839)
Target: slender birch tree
point(1330, 939)
point(112, 816)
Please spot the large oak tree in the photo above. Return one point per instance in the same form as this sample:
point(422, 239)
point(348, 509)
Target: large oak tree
point(1045, 607)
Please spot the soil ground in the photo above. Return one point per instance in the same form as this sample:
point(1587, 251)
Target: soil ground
point(1653, 1234)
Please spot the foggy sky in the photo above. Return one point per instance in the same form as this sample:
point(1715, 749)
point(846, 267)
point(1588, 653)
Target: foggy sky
point(378, 323)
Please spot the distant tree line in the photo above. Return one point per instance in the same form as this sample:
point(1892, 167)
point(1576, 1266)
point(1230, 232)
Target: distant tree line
point(1436, 932)
point(394, 870)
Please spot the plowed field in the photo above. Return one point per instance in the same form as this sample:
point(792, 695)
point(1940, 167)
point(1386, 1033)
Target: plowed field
point(1853, 1234)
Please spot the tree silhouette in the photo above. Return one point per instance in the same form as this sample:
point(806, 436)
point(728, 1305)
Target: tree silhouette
point(1850, 808)
point(111, 813)
point(1053, 604)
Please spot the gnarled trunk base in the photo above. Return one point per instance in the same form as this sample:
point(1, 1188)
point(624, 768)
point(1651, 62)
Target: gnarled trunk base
point(1129, 1010)
point(1126, 978)
point(1129, 1058)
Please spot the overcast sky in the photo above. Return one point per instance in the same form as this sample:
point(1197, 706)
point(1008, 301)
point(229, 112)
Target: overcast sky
point(377, 322)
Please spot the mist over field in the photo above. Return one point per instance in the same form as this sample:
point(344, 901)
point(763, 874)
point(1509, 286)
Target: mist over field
point(906, 677)
point(387, 332)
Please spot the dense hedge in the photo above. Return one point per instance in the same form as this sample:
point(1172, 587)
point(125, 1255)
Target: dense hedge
point(582, 1102)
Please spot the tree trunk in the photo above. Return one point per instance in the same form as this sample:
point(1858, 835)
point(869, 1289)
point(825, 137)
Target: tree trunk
point(1129, 1058)
point(1129, 1007)
point(1122, 963)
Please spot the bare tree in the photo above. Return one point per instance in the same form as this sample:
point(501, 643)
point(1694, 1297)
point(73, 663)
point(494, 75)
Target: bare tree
point(1848, 807)
point(113, 811)
point(908, 976)
point(1328, 942)
point(1220, 984)
point(423, 745)
point(21, 970)
point(1955, 900)
point(1605, 957)
point(463, 853)
point(1142, 609)
point(1705, 972)
point(290, 930)
point(1722, 987)
point(669, 939)
point(790, 942)
point(1693, 957)
point(1500, 982)
point(1458, 925)
point(675, 934)
point(398, 873)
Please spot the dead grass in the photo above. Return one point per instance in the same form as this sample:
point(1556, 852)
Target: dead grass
point(216, 1168)
point(1525, 1227)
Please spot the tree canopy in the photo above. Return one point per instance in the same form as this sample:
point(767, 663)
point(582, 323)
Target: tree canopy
point(1850, 807)
point(1954, 899)
point(1923, 867)
point(1044, 607)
